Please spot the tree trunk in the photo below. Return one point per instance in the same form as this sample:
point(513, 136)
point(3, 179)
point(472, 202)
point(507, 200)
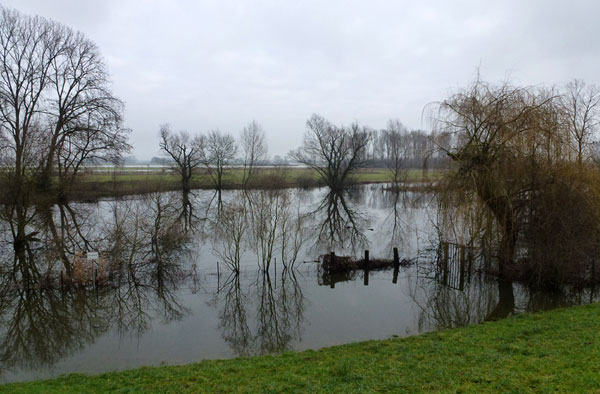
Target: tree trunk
point(506, 301)
point(186, 175)
point(500, 206)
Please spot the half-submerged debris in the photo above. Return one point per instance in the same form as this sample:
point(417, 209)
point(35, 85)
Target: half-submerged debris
point(331, 263)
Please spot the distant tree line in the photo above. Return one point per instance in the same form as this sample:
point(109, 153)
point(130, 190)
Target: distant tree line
point(397, 146)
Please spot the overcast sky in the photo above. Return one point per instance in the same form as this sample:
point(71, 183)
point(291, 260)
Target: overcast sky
point(201, 65)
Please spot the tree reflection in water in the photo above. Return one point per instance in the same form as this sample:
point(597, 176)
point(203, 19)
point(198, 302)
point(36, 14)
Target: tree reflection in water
point(486, 298)
point(403, 224)
point(40, 327)
point(261, 317)
point(41, 322)
point(233, 317)
point(446, 302)
point(261, 221)
point(146, 244)
point(338, 225)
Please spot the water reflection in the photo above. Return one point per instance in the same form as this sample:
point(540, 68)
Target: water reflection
point(41, 326)
point(187, 215)
point(403, 219)
point(338, 223)
point(266, 223)
point(52, 300)
point(330, 279)
point(233, 318)
point(444, 304)
point(156, 283)
point(262, 316)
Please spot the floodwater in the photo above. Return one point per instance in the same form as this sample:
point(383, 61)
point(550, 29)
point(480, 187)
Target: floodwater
point(168, 291)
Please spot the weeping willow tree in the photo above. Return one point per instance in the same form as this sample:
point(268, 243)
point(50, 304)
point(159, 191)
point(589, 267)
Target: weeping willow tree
point(518, 171)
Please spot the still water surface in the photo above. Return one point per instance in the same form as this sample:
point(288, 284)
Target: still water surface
point(171, 303)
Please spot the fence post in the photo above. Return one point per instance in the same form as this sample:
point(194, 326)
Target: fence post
point(331, 265)
point(462, 267)
point(366, 259)
point(96, 278)
point(446, 247)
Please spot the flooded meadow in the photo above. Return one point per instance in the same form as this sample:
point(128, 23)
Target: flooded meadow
point(172, 278)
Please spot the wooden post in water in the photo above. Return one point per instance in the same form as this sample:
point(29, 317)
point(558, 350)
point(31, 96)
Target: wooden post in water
point(366, 267)
point(331, 264)
point(396, 266)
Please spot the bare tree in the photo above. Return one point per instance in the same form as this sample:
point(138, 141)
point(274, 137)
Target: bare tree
point(87, 118)
point(334, 152)
point(24, 64)
point(55, 102)
point(582, 110)
point(254, 149)
point(184, 150)
point(395, 141)
point(218, 150)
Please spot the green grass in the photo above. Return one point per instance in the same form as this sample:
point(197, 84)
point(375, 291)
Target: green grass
point(556, 351)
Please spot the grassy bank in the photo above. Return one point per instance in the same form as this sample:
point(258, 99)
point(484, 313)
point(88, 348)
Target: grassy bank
point(123, 182)
point(553, 351)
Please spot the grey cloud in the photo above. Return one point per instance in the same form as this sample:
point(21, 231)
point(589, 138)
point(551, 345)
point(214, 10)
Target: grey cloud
point(219, 64)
